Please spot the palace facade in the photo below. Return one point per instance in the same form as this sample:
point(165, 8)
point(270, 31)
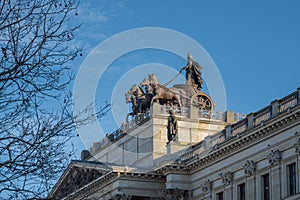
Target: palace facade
point(214, 156)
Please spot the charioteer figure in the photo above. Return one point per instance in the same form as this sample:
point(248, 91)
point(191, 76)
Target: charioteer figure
point(193, 72)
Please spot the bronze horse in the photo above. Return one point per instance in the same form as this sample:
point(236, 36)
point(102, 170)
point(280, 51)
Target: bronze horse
point(139, 99)
point(162, 93)
point(130, 98)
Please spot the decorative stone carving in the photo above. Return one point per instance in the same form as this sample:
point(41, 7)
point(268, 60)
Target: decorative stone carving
point(176, 194)
point(227, 178)
point(297, 147)
point(193, 72)
point(141, 96)
point(77, 178)
point(249, 167)
point(172, 127)
point(207, 186)
point(274, 157)
point(121, 197)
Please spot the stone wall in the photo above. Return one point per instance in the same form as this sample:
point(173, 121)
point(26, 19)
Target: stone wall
point(144, 144)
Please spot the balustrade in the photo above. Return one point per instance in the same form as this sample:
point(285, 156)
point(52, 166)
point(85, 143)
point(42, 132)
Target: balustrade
point(262, 115)
point(239, 127)
point(288, 102)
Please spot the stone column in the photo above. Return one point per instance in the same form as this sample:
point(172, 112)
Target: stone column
point(250, 188)
point(275, 183)
point(297, 152)
point(274, 158)
point(249, 170)
point(227, 179)
point(228, 192)
point(207, 190)
point(298, 174)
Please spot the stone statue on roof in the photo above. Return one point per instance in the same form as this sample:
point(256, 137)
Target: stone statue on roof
point(172, 127)
point(193, 72)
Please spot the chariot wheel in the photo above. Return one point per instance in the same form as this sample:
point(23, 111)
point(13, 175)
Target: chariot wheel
point(202, 101)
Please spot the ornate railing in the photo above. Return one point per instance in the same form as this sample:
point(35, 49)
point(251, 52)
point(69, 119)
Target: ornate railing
point(288, 102)
point(136, 121)
point(192, 152)
point(109, 137)
point(219, 115)
point(239, 127)
point(182, 111)
point(199, 148)
point(218, 138)
point(262, 115)
point(205, 114)
point(239, 116)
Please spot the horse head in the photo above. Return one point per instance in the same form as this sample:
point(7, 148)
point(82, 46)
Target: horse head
point(128, 96)
point(145, 82)
point(138, 90)
point(153, 79)
point(131, 94)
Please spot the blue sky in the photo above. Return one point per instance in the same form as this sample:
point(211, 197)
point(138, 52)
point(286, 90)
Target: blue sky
point(255, 44)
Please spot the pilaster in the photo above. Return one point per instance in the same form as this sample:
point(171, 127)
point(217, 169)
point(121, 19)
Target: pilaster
point(275, 183)
point(227, 179)
point(275, 105)
point(228, 131)
point(228, 192)
point(250, 118)
point(207, 190)
point(250, 188)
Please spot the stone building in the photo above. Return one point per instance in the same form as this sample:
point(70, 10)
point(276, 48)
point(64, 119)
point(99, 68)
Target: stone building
point(220, 156)
point(206, 155)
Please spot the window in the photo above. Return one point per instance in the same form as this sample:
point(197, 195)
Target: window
point(220, 196)
point(291, 175)
point(265, 186)
point(242, 191)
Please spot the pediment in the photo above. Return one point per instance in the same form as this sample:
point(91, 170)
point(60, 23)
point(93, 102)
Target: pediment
point(77, 175)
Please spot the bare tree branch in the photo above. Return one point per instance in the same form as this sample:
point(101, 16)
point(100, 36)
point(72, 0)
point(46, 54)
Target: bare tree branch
point(37, 46)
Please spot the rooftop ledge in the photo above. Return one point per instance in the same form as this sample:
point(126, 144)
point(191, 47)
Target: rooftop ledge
point(237, 123)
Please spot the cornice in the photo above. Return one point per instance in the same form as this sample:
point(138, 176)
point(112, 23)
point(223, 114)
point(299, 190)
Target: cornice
point(236, 143)
point(113, 176)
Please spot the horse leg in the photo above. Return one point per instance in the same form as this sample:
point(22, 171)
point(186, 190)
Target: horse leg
point(141, 107)
point(127, 117)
